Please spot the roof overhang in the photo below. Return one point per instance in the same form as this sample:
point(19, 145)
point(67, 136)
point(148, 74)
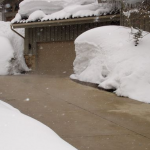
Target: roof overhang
point(68, 21)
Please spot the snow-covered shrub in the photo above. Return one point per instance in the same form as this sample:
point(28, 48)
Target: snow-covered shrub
point(137, 35)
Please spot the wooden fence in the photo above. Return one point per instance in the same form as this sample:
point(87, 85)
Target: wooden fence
point(142, 22)
point(139, 19)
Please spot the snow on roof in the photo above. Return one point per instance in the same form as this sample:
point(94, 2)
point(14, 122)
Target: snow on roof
point(54, 10)
point(48, 6)
point(76, 11)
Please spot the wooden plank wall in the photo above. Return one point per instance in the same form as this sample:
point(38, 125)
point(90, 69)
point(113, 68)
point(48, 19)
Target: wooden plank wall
point(56, 34)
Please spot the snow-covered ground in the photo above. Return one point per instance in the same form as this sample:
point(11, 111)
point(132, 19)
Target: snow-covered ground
point(108, 57)
point(11, 50)
point(20, 132)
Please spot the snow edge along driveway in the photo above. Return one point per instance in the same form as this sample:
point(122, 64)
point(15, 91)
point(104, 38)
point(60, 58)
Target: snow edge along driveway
point(19, 131)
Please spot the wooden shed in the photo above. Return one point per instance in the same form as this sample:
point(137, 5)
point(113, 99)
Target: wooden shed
point(49, 46)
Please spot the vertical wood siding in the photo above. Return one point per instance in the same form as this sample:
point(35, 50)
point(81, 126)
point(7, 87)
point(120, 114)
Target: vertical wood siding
point(56, 34)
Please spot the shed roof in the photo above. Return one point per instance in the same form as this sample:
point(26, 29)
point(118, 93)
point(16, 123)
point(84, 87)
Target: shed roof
point(72, 14)
point(68, 21)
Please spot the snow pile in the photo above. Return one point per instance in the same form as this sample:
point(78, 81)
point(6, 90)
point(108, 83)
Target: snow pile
point(11, 51)
point(47, 6)
point(108, 57)
point(19, 131)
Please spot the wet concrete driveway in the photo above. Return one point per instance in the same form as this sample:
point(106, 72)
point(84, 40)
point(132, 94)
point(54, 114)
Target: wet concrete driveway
point(86, 117)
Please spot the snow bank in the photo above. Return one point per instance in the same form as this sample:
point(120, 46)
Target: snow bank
point(19, 131)
point(11, 50)
point(108, 56)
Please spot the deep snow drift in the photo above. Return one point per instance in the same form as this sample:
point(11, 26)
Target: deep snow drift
point(20, 132)
point(11, 50)
point(108, 57)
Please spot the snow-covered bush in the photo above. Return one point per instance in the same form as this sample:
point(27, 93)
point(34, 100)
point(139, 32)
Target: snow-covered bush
point(137, 35)
point(107, 56)
point(11, 53)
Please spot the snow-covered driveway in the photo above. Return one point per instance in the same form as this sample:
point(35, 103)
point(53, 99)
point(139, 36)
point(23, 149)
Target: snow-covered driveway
point(84, 116)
